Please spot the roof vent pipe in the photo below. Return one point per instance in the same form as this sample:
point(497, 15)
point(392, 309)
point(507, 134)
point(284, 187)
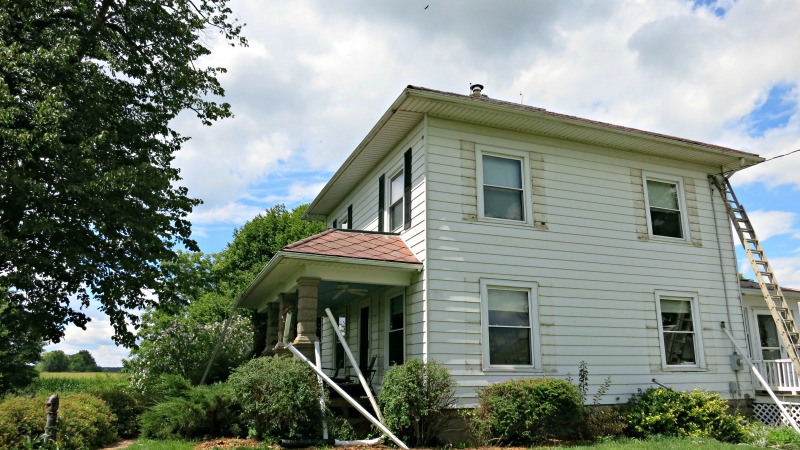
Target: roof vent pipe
point(476, 90)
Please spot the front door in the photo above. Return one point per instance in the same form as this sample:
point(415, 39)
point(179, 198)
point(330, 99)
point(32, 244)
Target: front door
point(768, 345)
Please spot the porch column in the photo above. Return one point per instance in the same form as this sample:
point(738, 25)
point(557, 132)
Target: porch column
point(286, 302)
point(272, 329)
point(259, 321)
point(307, 291)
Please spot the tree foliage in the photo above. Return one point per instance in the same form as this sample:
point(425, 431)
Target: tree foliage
point(54, 361)
point(83, 361)
point(20, 348)
point(258, 241)
point(89, 200)
point(182, 343)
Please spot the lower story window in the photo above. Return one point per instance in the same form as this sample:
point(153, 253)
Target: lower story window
point(680, 338)
point(397, 339)
point(509, 324)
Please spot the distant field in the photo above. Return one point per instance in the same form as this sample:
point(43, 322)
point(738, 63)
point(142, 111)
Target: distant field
point(114, 375)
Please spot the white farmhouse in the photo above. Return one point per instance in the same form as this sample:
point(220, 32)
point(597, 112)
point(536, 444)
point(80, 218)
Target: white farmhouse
point(508, 241)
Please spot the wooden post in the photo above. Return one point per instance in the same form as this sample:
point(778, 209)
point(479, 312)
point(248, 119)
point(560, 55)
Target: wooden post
point(50, 430)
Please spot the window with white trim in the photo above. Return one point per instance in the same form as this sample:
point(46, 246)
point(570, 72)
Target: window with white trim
point(510, 324)
point(680, 336)
point(666, 214)
point(396, 201)
point(503, 187)
point(396, 347)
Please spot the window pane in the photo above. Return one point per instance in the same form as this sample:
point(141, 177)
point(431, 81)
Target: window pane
point(396, 216)
point(666, 223)
point(502, 203)
point(509, 346)
point(662, 195)
point(396, 347)
point(396, 313)
point(502, 172)
point(679, 348)
point(676, 315)
point(767, 332)
point(396, 188)
point(508, 308)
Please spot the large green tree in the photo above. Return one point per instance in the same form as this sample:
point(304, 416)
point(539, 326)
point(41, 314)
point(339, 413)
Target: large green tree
point(90, 203)
point(180, 340)
point(54, 361)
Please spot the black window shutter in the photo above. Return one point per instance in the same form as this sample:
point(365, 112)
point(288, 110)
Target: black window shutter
point(381, 200)
point(407, 190)
point(350, 217)
point(334, 223)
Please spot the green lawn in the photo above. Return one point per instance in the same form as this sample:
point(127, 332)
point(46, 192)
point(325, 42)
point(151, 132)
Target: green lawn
point(661, 443)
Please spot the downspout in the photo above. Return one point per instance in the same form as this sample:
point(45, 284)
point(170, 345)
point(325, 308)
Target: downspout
point(425, 292)
point(722, 272)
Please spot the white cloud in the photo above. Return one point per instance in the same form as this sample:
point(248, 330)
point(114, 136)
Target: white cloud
point(231, 213)
point(95, 339)
point(773, 223)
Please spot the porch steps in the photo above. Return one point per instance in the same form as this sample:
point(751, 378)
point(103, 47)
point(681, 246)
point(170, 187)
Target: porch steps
point(770, 289)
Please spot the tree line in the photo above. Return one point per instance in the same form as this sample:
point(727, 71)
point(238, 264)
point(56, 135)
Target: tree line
point(58, 361)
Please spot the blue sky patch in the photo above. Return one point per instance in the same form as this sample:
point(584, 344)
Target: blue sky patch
point(775, 112)
point(711, 5)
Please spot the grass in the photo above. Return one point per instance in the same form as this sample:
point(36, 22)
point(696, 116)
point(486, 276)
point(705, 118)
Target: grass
point(150, 444)
point(82, 375)
point(660, 443)
point(73, 382)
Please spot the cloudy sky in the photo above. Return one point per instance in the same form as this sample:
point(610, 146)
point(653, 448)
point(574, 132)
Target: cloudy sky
point(318, 74)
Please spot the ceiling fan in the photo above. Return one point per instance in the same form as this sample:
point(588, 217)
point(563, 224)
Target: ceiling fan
point(346, 289)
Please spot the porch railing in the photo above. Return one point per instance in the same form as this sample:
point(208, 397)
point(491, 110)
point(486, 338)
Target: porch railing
point(779, 374)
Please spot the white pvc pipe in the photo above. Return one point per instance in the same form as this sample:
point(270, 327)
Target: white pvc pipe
point(318, 358)
point(347, 397)
point(763, 382)
point(353, 363)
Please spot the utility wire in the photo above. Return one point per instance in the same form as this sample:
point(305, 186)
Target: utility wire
point(762, 162)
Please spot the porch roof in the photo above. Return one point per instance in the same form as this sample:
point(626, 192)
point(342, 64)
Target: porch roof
point(750, 284)
point(334, 256)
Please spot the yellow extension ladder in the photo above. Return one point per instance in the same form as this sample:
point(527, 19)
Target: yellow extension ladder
point(781, 313)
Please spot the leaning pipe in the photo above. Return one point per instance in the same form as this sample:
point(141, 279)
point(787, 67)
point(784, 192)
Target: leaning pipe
point(347, 397)
point(355, 367)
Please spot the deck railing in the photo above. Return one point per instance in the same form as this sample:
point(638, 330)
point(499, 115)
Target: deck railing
point(779, 374)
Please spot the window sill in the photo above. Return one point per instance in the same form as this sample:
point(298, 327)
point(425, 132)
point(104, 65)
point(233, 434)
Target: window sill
point(683, 369)
point(510, 370)
point(666, 239)
point(504, 222)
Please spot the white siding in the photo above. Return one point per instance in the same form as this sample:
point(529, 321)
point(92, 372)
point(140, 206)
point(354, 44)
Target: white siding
point(590, 253)
point(365, 217)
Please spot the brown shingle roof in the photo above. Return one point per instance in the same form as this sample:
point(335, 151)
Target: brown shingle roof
point(750, 284)
point(355, 244)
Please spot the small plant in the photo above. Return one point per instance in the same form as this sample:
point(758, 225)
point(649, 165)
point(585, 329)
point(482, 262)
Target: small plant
point(597, 422)
point(279, 397)
point(527, 411)
point(691, 414)
point(414, 400)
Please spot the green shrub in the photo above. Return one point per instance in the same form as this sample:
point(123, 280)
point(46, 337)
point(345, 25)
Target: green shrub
point(203, 411)
point(162, 387)
point(279, 397)
point(527, 411)
point(674, 413)
point(414, 398)
point(84, 421)
point(126, 407)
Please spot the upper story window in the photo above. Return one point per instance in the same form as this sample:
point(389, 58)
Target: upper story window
point(510, 324)
point(396, 201)
point(681, 343)
point(503, 188)
point(666, 213)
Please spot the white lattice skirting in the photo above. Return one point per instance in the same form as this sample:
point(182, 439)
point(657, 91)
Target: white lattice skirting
point(770, 414)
